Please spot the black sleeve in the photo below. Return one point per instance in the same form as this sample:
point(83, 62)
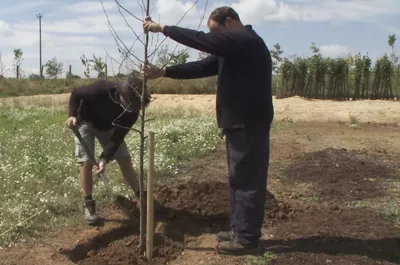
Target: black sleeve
point(199, 69)
point(219, 44)
point(86, 92)
point(126, 121)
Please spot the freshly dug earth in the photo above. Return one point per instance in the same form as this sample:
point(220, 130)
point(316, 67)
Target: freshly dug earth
point(340, 175)
point(181, 212)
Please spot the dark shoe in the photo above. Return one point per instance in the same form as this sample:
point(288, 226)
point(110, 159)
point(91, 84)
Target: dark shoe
point(234, 247)
point(225, 236)
point(89, 209)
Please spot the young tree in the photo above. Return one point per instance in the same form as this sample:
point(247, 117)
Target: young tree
point(86, 66)
point(179, 58)
point(162, 56)
point(128, 55)
point(2, 67)
point(394, 59)
point(18, 61)
point(391, 41)
point(53, 68)
point(276, 54)
point(98, 65)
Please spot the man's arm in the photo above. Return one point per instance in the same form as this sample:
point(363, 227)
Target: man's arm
point(199, 69)
point(219, 44)
point(126, 121)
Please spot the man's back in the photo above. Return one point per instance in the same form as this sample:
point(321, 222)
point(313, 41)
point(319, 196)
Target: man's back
point(244, 95)
point(98, 103)
point(244, 68)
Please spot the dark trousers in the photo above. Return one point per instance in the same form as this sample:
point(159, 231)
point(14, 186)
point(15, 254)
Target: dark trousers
point(248, 163)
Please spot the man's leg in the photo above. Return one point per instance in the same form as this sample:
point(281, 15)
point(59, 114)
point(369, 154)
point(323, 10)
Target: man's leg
point(228, 235)
point(86, 178)
point(129, 174)
point(123, 158)
point(249, 158)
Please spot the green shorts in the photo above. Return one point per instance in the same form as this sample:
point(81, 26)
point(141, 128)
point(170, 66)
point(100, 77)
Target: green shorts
point(89, 133)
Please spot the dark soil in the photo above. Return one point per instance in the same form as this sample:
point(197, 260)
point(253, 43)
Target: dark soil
point(181, 211)
point(324, 234)
point(340, 175)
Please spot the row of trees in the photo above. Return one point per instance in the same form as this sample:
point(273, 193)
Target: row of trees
point(54, 68)
point(340, 78)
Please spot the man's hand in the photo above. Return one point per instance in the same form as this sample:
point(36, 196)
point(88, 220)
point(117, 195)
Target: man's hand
point(100, 168)
point(152, 71)
point(71, 122)
point(151, 26)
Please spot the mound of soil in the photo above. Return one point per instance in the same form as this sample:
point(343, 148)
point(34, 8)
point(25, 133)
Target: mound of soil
point(181, 211)
point(339, 174)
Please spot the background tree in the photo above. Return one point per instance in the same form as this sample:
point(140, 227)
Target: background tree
point(53, 68)
point(98, 65)
point(18, 62)
point(86, 66)
point(179, 57)
point(162, 56)
point(391, 41)
point(2, 67)
point(276, 54)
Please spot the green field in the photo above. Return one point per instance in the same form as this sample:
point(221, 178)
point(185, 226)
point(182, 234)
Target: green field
point(39, 175)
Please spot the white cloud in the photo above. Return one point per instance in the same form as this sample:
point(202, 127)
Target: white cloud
point(258, 11)
point(91, 7)
point(334, 50)
point(71, 30)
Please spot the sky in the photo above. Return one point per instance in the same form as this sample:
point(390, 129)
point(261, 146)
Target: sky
point(72, 28)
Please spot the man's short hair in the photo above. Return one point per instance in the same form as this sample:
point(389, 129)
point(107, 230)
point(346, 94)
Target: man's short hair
point(221, 13)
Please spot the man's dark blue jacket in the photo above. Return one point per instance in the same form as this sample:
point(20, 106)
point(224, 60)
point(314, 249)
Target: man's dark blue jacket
point(244, 67)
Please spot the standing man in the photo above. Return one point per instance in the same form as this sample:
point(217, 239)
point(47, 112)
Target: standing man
point(244, 109)
point(105, 110)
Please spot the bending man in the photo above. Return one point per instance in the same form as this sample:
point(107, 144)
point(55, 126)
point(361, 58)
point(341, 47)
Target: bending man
point(105, 110)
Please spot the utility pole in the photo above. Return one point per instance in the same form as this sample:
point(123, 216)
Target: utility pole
point(40, 44)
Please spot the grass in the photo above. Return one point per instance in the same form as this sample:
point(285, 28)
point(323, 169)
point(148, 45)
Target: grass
point(39, 175)
point(265, 259)
point(27, 87)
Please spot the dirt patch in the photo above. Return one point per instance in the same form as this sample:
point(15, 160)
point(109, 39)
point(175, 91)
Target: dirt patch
point(182, 212)
point(339, 174)
point(335, 233)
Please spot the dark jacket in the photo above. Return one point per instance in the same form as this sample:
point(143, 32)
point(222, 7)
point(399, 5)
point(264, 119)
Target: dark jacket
point(244, 67)
point(99, 104)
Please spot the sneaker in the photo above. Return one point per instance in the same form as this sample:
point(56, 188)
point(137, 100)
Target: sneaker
point(89, 209)
point(234, 247)
point(225, 236)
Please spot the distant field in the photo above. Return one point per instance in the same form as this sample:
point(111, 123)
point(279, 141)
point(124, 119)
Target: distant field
point(294, 108)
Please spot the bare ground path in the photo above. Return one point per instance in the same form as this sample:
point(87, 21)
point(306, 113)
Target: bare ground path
point(295, 108)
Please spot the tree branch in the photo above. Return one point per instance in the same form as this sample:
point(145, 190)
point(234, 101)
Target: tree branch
point(127, 11)
point(126, 21)
point(117, 36)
